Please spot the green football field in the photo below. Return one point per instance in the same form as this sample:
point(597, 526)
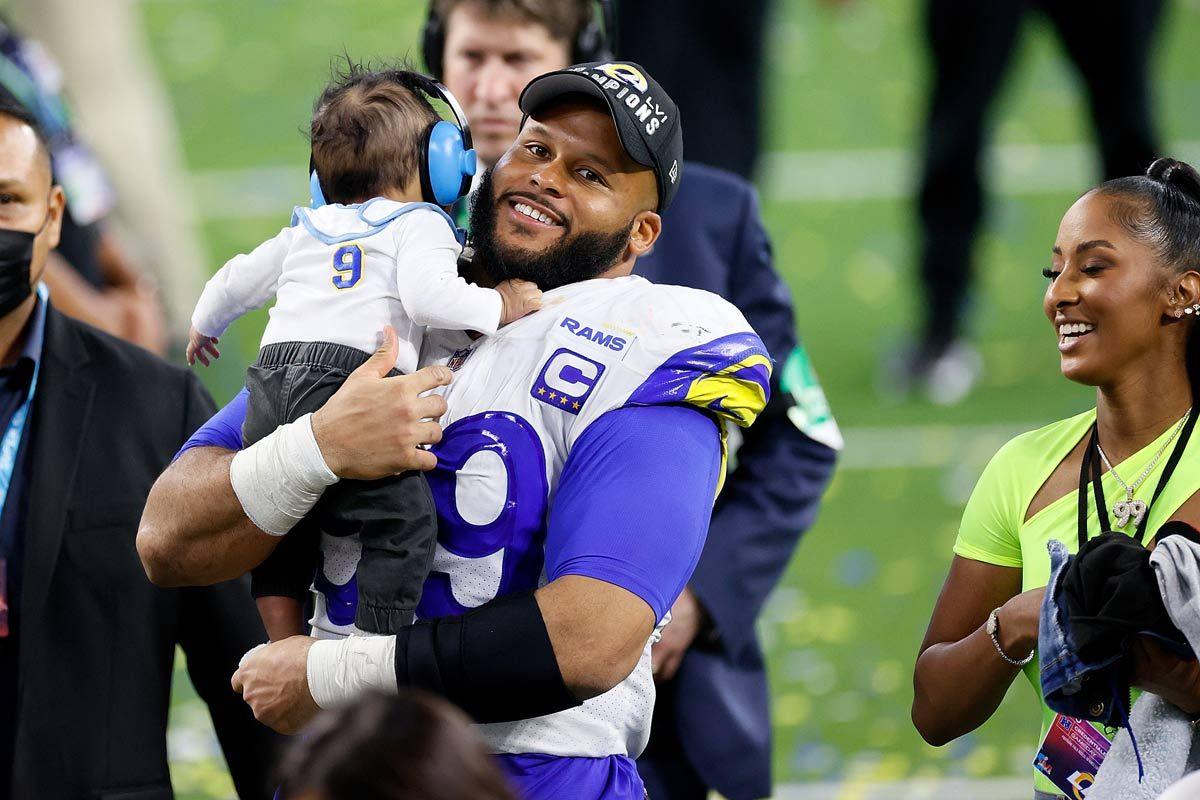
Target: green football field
point(846, 88)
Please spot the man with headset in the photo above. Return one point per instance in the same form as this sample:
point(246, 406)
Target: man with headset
point(709, 663)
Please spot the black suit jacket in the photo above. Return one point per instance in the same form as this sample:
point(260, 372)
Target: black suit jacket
point(713, 238)
point(97, 639)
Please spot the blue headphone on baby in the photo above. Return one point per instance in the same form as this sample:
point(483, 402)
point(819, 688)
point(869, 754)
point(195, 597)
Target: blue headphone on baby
point(447, 161)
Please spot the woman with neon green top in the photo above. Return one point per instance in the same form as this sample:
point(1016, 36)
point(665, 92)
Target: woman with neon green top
point(1123, 301)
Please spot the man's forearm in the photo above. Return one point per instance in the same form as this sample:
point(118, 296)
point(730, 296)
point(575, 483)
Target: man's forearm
point(496, 663)
point(193, 530)
point(196, 529)
point(516, 657)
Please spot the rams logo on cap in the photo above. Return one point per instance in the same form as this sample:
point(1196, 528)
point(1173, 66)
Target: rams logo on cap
point(626, 73)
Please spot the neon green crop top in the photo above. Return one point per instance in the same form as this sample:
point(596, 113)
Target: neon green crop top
point(994, 529)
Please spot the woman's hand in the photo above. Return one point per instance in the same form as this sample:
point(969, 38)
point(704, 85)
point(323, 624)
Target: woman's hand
point(1018, 620)
point(687, 616)
point(1157, 670)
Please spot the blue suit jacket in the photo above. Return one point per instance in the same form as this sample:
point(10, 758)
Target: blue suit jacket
point(713, 238)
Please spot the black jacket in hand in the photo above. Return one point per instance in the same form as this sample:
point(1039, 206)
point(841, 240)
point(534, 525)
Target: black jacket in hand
point(1096, 605)
point(1112, 596)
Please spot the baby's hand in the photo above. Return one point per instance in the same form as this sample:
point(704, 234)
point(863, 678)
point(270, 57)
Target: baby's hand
point(520, 298)
point(197, 344)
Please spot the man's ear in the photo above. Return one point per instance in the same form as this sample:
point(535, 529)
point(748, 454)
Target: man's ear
point(647, 226)
point(58, 202)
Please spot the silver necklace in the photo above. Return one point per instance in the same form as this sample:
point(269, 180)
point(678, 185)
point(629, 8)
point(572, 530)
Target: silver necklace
point(1124, 509)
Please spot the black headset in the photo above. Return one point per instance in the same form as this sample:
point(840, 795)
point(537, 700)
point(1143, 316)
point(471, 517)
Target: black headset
point(594, 42)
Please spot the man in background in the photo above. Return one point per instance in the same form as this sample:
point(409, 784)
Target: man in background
point(87, 644)
point(712, 54)
point(711, 726)
point(92, 275)
point(125, 115)
point(971, 46)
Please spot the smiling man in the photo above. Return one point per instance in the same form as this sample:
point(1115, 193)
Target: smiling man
point(578, 457)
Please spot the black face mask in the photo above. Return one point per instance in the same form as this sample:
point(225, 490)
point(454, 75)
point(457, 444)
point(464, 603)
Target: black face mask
point(16, 255)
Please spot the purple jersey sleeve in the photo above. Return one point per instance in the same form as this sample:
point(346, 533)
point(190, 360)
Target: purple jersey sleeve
point(634, 501)
point(223, 429)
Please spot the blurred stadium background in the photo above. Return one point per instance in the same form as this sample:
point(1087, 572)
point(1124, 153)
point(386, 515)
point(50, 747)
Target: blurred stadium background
point(845, 91)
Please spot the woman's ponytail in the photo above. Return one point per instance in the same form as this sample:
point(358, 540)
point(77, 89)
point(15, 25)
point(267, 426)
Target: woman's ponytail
point(1178, 176)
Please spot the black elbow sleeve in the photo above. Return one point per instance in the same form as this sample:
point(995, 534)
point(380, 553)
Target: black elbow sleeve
point(496, 662)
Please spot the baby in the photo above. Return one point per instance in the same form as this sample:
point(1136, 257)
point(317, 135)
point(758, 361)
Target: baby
point(382, 252)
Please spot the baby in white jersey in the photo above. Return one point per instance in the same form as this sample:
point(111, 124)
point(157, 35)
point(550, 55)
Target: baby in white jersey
point(381, 252)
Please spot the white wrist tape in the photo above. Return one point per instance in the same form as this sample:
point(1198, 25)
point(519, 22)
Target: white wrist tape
point(341, 669)
point(280, 477)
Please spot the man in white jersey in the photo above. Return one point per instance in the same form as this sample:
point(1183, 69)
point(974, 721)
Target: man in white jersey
point(581, 452)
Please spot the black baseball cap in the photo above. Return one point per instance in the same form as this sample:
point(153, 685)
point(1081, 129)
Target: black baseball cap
point(647, 118)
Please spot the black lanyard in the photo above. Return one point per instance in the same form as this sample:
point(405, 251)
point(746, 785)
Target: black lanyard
point(1091, 470)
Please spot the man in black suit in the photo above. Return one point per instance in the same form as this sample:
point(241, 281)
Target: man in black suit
point(87, 643)
point(971, 46)
point(712, 724)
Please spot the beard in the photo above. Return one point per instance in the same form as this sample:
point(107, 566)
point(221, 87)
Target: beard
point(573, 258)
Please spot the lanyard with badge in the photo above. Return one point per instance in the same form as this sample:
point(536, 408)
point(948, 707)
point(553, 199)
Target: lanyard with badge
point(1073, 749)
point(9, 445)
point(1090, 471)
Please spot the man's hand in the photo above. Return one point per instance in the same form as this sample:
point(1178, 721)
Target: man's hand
point(373, 426)
point(273, 680)
point(1166, 675)
point(686, 618)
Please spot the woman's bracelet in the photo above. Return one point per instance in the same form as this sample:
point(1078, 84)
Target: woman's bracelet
point(993, 628)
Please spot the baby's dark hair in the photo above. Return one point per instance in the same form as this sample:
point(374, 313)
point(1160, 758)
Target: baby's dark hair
point(367, 128)
point(1162, 209)
point(392, 748)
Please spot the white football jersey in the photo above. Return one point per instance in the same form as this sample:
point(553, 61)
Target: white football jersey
point(518, 402)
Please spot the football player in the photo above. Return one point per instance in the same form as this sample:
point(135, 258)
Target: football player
point(579, 454)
